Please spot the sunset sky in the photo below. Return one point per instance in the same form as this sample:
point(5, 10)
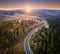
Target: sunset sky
point(33, 4)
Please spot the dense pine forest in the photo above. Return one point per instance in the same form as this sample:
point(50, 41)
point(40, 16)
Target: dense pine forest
point(47, 41)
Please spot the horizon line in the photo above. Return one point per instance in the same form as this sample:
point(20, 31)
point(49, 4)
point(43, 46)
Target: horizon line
point(32, 9)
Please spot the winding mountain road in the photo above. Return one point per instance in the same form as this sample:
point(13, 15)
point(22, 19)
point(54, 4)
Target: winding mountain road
point(26, 41)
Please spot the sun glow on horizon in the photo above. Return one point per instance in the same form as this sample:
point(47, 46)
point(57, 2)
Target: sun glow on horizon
point(28, 9)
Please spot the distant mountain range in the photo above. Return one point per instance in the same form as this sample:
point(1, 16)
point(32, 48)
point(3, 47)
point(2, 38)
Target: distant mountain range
point(51, 12)
point(39, 13)
point(11, 12)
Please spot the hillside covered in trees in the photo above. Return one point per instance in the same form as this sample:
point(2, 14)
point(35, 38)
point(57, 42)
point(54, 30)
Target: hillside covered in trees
point(47, 41)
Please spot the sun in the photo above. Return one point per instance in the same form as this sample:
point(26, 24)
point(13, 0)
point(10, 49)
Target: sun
point(28, 10)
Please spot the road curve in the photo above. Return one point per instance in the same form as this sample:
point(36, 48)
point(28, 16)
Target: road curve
point(26, 41)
